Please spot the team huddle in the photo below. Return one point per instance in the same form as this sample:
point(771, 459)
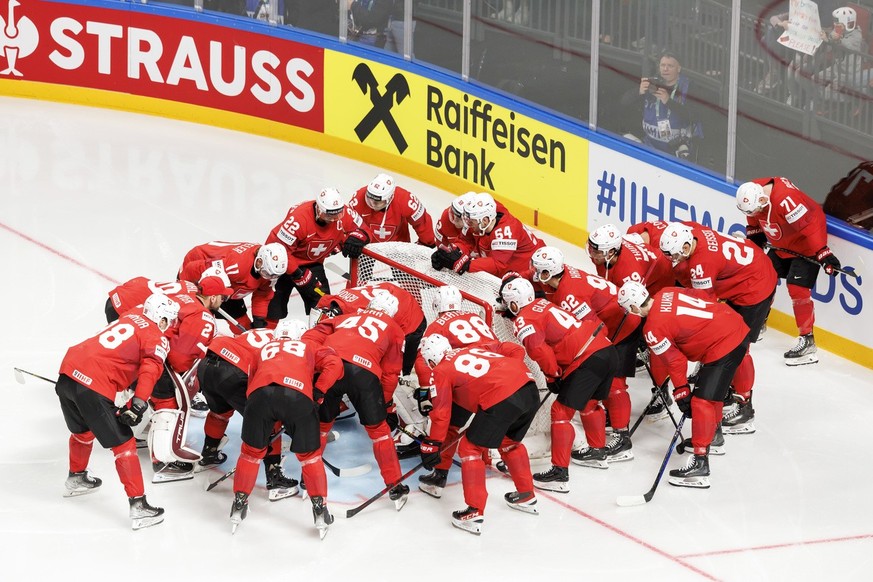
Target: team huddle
point(670, 297)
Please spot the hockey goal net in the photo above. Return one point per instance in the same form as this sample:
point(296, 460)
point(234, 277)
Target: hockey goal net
point(408, 265)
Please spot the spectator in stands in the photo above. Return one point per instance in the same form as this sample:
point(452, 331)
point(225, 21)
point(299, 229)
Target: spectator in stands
point(395, 41)
point(368, 21)
point(847, 45)
point(776, 55)
point(669, 121)
point(803, 67)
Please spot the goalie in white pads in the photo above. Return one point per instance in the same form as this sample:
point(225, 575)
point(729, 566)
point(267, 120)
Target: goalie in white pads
point(681, 326)
point(91, 374)
point(281, 390)
point(494, 381)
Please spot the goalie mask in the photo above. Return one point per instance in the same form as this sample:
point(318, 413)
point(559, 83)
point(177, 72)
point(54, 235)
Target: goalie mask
point(547, 262)
point(517, 293)
point(380, 192)
point(292, 329)
point(673, 241)
point(751, 198)
point(274, 261)
point(319, 314)
point(383, 301)
point(604, 244)
point(448, 298)
point(480, 214)
point(162, 310)
point(329, 205)
point(433, 349)
point(632, 294)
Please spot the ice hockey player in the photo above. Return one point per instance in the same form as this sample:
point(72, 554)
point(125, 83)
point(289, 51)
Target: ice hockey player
point(311, 232)
point(494, 381)
point(134, 292)
point(780, 214)
point(579, 371)
point(589, 297)
point(91, 374)
point(252, 269)
point(681, 326)
point(494, 242)
point(450, 224)
point(730, 270)
point(370, 344)
point(281, 390)
point(389, 211)
point(463, 329)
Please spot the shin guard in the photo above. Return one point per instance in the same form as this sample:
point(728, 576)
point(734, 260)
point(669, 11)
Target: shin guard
point(128, 469)
point(473, 474)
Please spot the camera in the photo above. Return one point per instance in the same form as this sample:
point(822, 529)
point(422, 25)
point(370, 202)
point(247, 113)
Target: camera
point(656, 83)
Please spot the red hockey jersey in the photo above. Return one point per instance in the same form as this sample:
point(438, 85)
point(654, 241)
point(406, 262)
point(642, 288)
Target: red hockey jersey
point(409, 314)
point(134, 292)
point(508, 247)
point(641, 263)
point(195, 331)
point(393, 223)
point(130, 349)
point(293, 364)
point(463, 329)
point(241, 350)
point(792, 220)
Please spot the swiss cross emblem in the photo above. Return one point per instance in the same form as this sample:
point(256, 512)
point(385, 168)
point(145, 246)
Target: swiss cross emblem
point(383, 232)
point(772, 229)
point(317, 248)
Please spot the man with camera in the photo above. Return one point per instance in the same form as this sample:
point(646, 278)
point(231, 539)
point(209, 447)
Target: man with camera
point(669, 122)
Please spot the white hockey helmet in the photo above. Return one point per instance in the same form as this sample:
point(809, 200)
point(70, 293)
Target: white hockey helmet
point(292, 329)
point(751, 198)
point(274, 260)
point(162, 310)
point(604, 243)
point(547, 262)
point(329, 205)
point(458, 204)
point(846, 16)
point(380, 192)
point(519, 291)
point(433, 349)
point(632, 294)
point(480, 213)
point(384, 301)
point(673, 241)
point(448, 298)
point(216, 270)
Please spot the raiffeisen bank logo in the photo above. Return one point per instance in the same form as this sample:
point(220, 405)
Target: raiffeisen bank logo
point(18, 39)
point(396, 90)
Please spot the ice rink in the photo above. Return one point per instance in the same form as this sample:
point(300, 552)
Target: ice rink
point(94, 197)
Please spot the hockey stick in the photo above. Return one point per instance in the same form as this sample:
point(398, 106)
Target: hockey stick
point(812, 260)
point(355, 471)
point(657, 394)
point(417, 439)
point(339, 271)
point(662, 392)
point(230, 319)
point(19, 376)
point(631, 500)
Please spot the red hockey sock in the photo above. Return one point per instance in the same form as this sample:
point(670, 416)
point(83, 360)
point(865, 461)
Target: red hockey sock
point(275, 446)
point(128, 469)
point(81, 445)
point(448, 452)
point(706, 415)
point(247, 469)
point(324, 429)
point(563, 434)
point(215, 425)
point(594, 422)
point(804, 309)
point(744, 377)
point(313, 473)
point(384, 451)
point(514, 454)
point(473, 474)
point(618, 404)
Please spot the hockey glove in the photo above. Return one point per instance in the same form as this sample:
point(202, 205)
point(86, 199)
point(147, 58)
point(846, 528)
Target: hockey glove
point(828, 261)
point(554, 385)
point(422, 396)
point(307, 286)
point(439, 258)
point(682, 396)
point(133, 415)
point(460, 261)
point(756, 235)
point(430, 453)
point(391, 416)
point(354, 245)
point(258, 322)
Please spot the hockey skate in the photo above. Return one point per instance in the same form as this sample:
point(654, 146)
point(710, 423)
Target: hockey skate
point(239, 510)
point(695, 473)
point(211, 456)
point(175, 471)
point(321, 515)
point(716, 447)
point(803, 352)
point(81, 483)
point(399, 494)
point(556, 479)
point(199, 408)
point(526, 502)
point(144, 515)
point(470, 519)
point(589, 457)
point(278, 485)
point(656, 412)
point(738, 417)
point(619, 446)
point(433, 483)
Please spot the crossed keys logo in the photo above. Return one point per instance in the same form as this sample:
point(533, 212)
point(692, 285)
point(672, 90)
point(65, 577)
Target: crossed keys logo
point(396, 90)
